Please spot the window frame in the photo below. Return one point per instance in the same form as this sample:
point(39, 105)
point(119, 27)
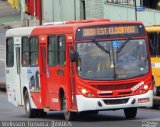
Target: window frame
point(30, 52)
point(12, 64)
point(57, 50)
point(153, 36)
point(52, 51)
point(25, 52)
point(61, 50)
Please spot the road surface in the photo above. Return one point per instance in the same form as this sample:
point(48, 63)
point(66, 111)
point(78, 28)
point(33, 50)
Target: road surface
point(104, 119)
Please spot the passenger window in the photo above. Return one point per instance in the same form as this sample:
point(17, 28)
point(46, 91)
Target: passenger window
point(52, 50)
point(62, 54)
point(25, 52)
point(9, 52)
point(153, 43)
point(33, 51)
point(56, 50)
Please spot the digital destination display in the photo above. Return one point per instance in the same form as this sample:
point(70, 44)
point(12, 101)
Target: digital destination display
point(110, 31)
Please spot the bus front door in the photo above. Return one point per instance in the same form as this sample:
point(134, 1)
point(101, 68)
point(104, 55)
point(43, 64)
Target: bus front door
point(43, 76)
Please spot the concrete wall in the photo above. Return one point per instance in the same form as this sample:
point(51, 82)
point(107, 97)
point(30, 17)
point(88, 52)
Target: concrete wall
point(64, 10)
point(61, 10)
point(94, 9)
point(122, 12)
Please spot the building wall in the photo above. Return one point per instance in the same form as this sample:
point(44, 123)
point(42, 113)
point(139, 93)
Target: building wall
point(94, 9)
point(148, 17)
point(48, 10)
point(64, 10)
point(61, 10)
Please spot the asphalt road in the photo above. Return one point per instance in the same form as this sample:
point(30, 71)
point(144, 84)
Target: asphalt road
point(104, 119)
point(2, 54)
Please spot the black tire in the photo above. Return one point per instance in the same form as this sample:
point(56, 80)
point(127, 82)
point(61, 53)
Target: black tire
point(69, 116)
point(30, 113)
point(155, 88)
point(41, 113)
point(130, 113)
point(155, 106)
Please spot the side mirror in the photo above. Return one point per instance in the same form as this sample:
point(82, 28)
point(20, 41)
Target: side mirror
point(74, 56)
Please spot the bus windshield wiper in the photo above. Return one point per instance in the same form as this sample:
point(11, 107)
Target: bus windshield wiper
point(122, 46)
point(102, 48)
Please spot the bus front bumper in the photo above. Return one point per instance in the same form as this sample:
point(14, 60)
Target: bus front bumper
point(87, 104)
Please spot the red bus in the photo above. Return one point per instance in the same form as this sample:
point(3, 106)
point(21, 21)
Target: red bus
point(79, 66)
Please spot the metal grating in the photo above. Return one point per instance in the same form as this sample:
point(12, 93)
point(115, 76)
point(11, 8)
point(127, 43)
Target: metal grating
point(114, 87)
point(116, 101)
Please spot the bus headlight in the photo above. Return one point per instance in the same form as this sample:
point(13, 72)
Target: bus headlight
point(145, 87)
point(85, 92)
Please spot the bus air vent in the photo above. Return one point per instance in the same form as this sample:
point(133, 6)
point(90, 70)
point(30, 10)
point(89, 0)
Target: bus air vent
point(116, 101)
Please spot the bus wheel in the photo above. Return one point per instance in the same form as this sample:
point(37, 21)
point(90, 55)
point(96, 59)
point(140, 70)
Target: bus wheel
point(69, 116)
point(130, 113)
point(155, 90)
point(29, 112)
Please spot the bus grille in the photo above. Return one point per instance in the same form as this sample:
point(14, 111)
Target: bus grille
point(114, 87)
point(116, 101)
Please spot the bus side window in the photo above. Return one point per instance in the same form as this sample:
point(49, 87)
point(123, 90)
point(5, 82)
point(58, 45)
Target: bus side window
point(9, 52)
point(158, 45)
point(56, 50)
point(37, 81)
point(25, 51)
point(32, 83)
point(33, 46)
point(153, 43)
point(53, 50)
point(61, 50)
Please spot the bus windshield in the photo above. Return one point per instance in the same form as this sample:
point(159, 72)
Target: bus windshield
point(110, 60)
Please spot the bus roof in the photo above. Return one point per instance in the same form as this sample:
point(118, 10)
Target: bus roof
point(71, 27)
point(67, 27)
point(17, 32)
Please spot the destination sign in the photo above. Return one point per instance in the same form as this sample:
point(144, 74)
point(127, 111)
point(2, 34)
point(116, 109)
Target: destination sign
point(109, 31)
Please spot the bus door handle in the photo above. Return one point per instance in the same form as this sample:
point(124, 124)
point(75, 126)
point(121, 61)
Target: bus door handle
point(60, 72)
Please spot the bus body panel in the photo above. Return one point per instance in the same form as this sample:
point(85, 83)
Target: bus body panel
point(16, 76)
point(99, 103)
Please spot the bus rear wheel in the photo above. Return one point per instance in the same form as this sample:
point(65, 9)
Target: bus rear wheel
point(130, 113)
point(30, 113)
point(69, 116)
